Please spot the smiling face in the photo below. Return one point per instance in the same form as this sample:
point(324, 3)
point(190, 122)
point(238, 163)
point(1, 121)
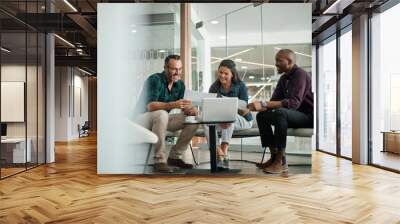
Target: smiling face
point(225, 75)
point(173, 70)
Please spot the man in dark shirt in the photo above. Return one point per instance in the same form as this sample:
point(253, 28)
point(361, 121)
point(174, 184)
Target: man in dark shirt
point(164, 92)
point(291, 106)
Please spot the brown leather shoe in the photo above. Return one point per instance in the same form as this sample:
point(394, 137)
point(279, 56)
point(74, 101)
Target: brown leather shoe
point(179, 163)
point(276, 166)
point(269, 162)
point(285, 166)
point(162, 168)
point(272, 151)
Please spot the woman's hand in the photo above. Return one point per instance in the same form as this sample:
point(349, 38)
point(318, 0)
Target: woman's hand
point(190, 111)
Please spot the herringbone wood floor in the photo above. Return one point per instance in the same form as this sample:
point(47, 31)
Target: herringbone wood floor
point(70, 191)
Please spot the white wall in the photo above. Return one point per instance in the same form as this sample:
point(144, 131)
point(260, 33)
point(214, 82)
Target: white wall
point(67, 115)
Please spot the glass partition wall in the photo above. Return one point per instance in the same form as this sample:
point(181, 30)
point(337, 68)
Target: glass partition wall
point(22, 87)
point(385, 89)
point(252, 46)
point(327, 95)
point(334, 96)
point(346, 92)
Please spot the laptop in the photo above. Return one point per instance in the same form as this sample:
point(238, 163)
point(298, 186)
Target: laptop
point(219, 109)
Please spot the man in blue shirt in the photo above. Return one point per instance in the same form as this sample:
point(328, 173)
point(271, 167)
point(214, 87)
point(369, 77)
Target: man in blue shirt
point(164, 92)
point(291, 106)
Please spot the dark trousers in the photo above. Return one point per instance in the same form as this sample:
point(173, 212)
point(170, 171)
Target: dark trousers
point(281, 119)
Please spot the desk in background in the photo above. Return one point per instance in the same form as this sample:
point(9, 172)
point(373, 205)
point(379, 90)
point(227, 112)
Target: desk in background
point(391, 141)
point(13, 150)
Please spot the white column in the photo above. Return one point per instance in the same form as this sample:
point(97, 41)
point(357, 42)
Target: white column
point(360, 90)
point(50, 99)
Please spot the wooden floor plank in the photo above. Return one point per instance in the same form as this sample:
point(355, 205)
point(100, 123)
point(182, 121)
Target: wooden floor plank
point(70, 191)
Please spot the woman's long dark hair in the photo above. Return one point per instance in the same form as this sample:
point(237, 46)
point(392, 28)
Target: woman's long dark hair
point(231, 66)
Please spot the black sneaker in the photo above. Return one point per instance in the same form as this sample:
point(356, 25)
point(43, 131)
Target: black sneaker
point(179, 163)
point(162, 168)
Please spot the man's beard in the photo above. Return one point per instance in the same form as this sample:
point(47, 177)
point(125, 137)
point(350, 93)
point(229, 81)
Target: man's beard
point(171, 78)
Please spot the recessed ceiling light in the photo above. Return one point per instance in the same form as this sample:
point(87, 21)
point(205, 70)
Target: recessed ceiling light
point(251, 77)
point(64, 40)
point(222, 37)
point(84, 71)
point(244, 67)
point(79, 50)
point(5, 50)
point(238, 59)
point(43, 7)
point(70, 5)
point(134, 31)
point(334, 8)
point(214, 22)
point(162, 51)
point(262, 78)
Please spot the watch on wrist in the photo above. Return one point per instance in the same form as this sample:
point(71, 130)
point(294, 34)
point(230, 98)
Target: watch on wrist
point(264, 104)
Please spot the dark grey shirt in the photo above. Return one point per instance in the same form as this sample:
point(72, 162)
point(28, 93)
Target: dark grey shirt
point(294, 91)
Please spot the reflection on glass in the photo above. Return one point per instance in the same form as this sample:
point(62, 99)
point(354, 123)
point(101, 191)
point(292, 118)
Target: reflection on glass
point(346, 94)
point(245, 48)
point(164, 38)
point(327, 96)
point(216, 27)
point(385, 86)
point(196, 73)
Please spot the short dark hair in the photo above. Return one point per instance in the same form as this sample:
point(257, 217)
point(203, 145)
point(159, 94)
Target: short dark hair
point(171, 56)
point(231, 66)
point(288, 53)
